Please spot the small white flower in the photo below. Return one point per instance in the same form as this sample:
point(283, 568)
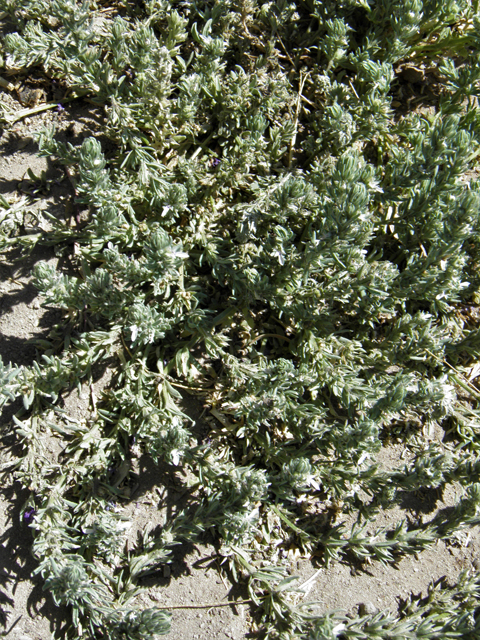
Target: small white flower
point(9, 60)
point(176, 252)
point(338, 629)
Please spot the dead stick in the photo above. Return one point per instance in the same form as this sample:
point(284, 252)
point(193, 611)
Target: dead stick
point(208, 606)
point(5, 84)
point(297, 113)
point(24, 113)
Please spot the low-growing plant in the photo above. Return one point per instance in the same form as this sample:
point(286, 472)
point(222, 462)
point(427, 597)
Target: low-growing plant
point(278, 228)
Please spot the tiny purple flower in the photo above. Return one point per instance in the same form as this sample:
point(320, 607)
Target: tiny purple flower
point(60, 108)
point(216, 162)
point(28, 515)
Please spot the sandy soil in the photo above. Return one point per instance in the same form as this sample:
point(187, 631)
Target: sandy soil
point(195, 584)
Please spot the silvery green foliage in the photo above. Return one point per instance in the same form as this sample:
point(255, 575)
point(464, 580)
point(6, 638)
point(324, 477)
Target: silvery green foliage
point(445, 611)
point(8, 383)
point(70, 584)
point(268, 227)
point(139, 625)
point(105, 536)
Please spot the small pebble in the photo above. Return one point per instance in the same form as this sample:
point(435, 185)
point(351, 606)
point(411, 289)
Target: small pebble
point(166, 571)
point(367, 609)
point(476, 563)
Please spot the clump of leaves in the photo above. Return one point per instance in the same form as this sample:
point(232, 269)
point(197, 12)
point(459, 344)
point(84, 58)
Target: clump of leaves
point(285, 229)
